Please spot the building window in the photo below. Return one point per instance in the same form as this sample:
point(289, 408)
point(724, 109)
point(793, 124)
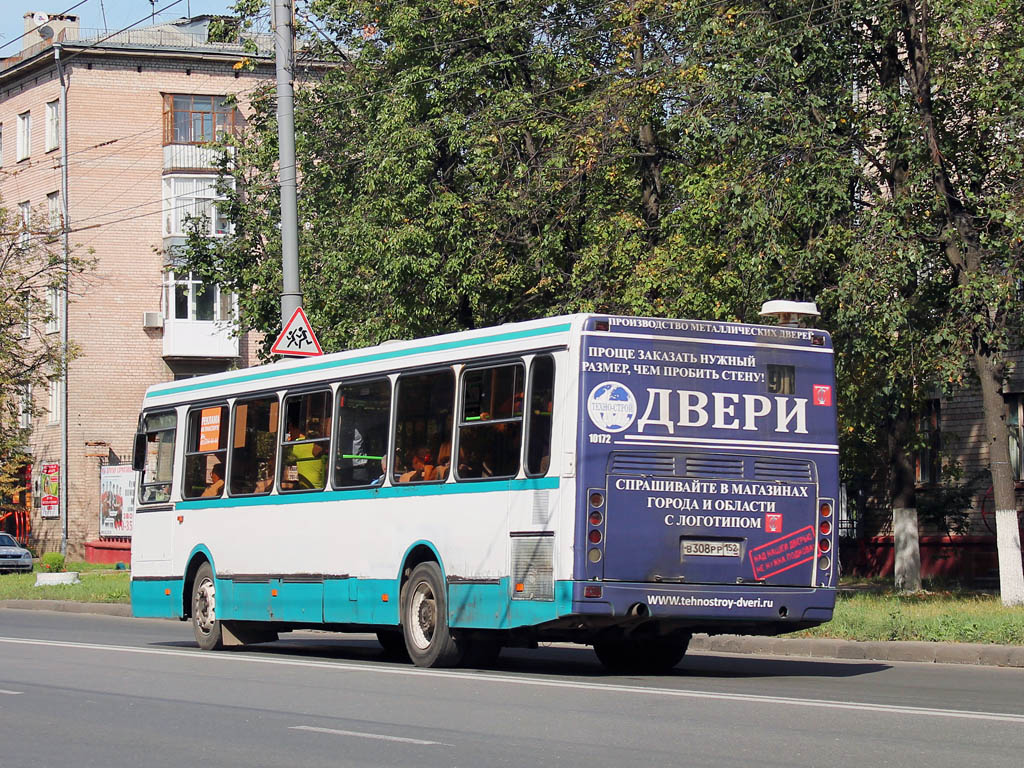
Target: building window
point(1015, 424)
point(25, 406)
point(186, 297)
point(53, 212)
point(25, 211)
point(52, 125)
point(188, 198)
point(928, 462)
point(24, 135)
point(53, 403)
point(52, 309)
point(26, 317)
point(190, 119)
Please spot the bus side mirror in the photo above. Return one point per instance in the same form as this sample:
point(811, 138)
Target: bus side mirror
point(139, 456)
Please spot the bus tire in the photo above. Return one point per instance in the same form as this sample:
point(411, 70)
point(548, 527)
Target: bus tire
point(428, 638)
point(205, 624)
point(641, 654)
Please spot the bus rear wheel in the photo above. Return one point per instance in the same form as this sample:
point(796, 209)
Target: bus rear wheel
point(641, 654)
point(428, 638)
point(205, 624)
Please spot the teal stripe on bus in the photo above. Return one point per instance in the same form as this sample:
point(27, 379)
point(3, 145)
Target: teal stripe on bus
point(390, 492)
point(177, 388)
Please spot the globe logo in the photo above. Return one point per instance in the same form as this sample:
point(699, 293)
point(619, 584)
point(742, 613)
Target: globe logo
point(611, 406)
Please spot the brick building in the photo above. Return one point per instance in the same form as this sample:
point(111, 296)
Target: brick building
point(139, 106)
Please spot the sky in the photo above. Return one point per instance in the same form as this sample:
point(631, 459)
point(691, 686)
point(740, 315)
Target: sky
point(119, 13)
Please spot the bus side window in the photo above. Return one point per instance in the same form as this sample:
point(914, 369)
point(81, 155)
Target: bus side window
point(362, 446)
point(155, 456)
point(205, 452)
point(542, 396)
point(306, 441)
point(491, 423)
point(423, 426)
point(254, 446)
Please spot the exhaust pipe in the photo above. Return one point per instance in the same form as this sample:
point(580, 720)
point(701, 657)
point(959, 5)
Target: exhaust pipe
point(638, 611)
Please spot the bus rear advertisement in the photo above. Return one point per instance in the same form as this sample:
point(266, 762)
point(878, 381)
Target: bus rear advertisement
point(614, 481)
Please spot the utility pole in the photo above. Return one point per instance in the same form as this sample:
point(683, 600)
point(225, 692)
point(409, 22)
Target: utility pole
point(291, 295)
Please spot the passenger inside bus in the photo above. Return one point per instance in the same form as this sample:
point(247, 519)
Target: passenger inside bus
point(422, 464)
point(216, 486)
point(304, 462)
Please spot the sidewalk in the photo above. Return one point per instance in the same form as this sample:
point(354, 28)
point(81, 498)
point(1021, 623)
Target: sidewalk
point(937, 653)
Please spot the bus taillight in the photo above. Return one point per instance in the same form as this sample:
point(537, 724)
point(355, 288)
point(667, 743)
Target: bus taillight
point(594, 536)
point(824, 545)
point(596, 518)
point(824, 563)
point(596, 499)
point(825, 528)
point(825, 509)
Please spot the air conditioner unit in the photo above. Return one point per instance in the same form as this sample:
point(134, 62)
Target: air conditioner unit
point(152, 320)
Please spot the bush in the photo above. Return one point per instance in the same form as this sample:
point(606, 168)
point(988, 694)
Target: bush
point(53, 562)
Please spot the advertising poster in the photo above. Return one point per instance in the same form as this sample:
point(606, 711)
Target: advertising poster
point(117, 500)
point(49, 502)
point(209, 429)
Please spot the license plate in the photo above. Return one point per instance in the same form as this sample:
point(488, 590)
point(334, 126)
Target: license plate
point(693, 547)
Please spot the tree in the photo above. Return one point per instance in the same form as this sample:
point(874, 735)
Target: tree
point(474, 163)
point(32, 266)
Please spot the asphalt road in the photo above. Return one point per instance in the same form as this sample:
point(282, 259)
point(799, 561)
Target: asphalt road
point(81, 690)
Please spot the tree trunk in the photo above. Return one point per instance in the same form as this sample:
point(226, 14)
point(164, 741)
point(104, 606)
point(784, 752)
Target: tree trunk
point(965, 255)
point(1011, 575)
point(906, 541)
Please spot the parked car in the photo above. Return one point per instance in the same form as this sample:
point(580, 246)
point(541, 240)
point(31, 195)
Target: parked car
point(13, 556)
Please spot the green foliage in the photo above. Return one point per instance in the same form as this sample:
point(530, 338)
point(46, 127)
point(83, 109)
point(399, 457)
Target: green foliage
point(52, 562)
point(945, 617)
point(474, 163)
point(31, 265)
point(96, 586)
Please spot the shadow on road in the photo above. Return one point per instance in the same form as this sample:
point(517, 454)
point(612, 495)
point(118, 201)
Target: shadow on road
point(560, 660)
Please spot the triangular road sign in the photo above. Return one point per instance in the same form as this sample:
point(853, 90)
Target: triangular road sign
point(297, 338)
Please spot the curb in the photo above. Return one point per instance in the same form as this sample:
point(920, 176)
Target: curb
point(69, 606)
point(898, 650)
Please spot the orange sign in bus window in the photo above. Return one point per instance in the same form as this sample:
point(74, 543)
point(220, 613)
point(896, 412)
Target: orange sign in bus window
point(209, 429)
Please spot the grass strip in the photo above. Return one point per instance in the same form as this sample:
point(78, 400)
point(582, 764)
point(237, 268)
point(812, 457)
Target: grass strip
point(950, 617)
point(943, 617)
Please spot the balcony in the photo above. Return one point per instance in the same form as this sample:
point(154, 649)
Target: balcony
point(199, 339)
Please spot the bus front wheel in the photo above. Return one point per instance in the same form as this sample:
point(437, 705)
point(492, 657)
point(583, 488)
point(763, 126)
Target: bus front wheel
point(428, 638)
point(205, 624)
point(641, 654)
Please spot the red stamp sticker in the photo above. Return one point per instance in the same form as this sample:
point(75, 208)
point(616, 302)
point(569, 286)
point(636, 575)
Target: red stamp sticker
point(773, 522)
point(822, 394)
point(783, 553)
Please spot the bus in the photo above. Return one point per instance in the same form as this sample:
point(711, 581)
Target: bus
point(620, 482)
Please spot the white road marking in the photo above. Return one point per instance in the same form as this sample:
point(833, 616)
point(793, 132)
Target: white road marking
point(478, 677)
point(11, 693)
point(361, 735)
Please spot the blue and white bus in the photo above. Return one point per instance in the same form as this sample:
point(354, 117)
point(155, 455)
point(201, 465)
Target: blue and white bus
point(616, 481)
